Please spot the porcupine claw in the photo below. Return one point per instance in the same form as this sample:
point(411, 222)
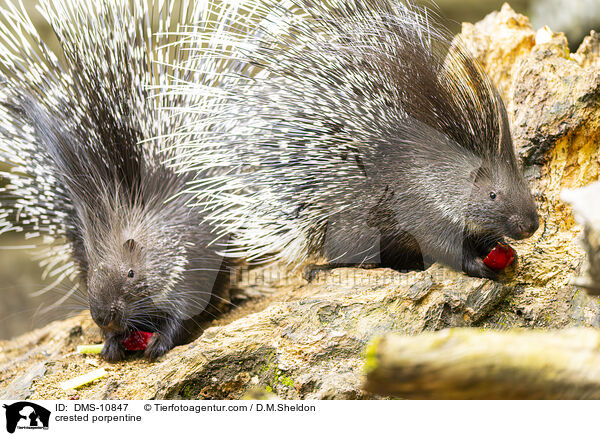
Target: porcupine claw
point(113, 350)
point(158, 346)
point(163, 340)
point(472, 262)
point(476, 268)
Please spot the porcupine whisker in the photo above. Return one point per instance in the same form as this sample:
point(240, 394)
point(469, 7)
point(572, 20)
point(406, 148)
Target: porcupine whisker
point(58, 302)
point(142, 322)
point(73, 294)
point(49, 287)
point(198, 294)
point(179, 301)
point(149, 306)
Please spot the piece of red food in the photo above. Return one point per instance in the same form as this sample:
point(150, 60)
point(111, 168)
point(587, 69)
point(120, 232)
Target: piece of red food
point(500, 257)
point(136, 341)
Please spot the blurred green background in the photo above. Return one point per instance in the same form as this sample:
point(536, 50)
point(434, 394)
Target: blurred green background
point(19, 274)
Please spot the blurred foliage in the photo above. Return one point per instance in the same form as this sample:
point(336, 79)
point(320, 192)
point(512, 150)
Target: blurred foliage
point(456, 12)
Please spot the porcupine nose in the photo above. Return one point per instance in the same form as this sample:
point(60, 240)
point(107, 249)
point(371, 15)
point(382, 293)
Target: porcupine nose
point(523, 226)
point(112, 327)
point(109, 322)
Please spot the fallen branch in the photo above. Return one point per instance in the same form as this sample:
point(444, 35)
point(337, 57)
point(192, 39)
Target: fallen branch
point(476, 364)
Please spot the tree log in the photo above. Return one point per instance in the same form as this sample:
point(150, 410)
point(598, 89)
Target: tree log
point(474, 364)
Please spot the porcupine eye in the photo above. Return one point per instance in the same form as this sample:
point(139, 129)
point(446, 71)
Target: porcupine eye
point(130, 274)
point(493, 195)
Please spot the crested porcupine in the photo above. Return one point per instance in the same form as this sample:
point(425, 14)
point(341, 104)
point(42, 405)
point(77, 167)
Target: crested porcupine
point(87, 179)
point(356, 130)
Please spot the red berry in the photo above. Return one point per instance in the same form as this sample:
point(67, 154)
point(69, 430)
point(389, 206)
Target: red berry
point(500, 257)
point(136, 341)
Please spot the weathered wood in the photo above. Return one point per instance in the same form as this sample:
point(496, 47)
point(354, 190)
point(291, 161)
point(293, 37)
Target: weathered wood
point(475, 364)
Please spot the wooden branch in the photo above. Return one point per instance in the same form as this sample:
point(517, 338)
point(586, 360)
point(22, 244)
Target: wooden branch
point(476, 364)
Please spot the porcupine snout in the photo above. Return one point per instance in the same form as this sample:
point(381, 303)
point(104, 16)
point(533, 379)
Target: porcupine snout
point(523, 225)
point(111, 319)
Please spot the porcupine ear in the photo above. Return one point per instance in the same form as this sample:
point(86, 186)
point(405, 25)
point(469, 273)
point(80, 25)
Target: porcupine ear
point(134, 252)
point(480, 175)
point(130, 245)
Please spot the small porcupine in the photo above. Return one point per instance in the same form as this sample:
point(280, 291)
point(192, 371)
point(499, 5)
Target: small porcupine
point(88, 179)
point(355, 130)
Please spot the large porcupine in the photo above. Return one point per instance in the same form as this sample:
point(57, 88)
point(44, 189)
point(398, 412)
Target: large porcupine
point(88, 180)
point(354, 130)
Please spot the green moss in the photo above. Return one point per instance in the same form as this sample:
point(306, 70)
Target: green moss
point(280, 378)
point(267, 366)
point(190, 392)
point(275, 376)
point(286, 381)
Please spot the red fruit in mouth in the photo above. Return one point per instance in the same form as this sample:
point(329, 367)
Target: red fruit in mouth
point(136, 341)
point(500, 257)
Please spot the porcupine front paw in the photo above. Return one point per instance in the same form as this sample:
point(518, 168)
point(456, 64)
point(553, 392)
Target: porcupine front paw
point(472, 262)
point(158, 345)
point(164, 339)
point(475, 267)
point(113, 350)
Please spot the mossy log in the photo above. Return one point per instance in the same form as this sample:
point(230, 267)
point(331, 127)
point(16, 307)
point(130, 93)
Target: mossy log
point(475, 364)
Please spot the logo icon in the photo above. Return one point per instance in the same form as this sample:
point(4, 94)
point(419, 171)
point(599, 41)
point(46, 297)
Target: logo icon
point(26, 415)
